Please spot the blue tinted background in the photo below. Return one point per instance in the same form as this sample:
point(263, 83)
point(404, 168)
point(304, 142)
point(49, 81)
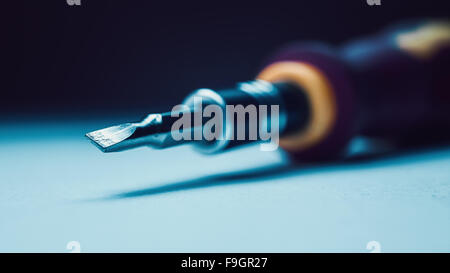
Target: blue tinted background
point(56, 187)
point(76, 69)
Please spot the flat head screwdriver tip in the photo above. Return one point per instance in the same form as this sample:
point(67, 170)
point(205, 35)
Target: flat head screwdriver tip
point(109, 139)
point(154, 130)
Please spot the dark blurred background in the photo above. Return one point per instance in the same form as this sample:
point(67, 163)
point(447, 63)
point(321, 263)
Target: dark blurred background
point(117, 56)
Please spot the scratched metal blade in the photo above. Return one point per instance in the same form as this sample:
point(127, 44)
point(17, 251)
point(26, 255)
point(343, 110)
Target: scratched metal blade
point(130, 135)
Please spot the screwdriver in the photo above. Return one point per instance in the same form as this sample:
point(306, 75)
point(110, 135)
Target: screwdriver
point(392, 85)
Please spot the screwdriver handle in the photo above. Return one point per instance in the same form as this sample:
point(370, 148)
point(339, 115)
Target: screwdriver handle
point(392, 85)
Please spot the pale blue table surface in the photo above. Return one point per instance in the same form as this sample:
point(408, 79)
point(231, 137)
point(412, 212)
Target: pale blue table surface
point(56, 187)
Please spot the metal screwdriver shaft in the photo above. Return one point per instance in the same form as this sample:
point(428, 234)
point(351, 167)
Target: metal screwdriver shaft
point(154, 130)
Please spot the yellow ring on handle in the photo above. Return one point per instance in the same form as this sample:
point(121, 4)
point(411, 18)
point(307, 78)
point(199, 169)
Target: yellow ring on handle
point(425, 41)
point(321, 97)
